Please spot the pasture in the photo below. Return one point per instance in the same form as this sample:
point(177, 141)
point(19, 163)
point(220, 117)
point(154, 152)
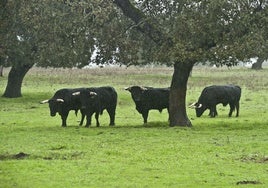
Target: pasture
point(35, 151)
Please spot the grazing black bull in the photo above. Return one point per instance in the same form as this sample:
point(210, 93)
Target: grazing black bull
point(147, 98)
point(95, 100)
point(62, 102)
point(213, 95)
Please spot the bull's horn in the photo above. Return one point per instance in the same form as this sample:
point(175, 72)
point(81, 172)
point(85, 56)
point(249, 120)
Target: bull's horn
point(60, 100)
point(192, 105)
point(199, 106)
point(143, 88)
point(44, 101)
point(76, 93)
point(92, 93)
point(128, 88)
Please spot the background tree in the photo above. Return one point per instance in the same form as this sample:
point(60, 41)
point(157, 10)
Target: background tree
point(258, 64)
point(44, 33)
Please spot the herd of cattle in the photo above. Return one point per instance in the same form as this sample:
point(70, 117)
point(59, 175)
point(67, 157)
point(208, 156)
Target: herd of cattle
point(95, 100)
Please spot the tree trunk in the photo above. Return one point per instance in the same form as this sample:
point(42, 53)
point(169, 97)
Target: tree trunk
point(15, 78)
point(177, 107)
point(177, 99)
point(1, 70)
point(258, 64)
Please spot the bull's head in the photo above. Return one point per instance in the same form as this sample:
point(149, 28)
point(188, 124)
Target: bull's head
point(199, 108)
point(136, 92)
point(54, 105)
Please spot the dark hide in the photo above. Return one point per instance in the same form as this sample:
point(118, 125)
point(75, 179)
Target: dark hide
point(213, 95)
point(62, 102)
point(96, 100)
point(148, 98)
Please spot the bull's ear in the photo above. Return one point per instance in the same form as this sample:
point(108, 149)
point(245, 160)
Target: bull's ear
point(76, 93)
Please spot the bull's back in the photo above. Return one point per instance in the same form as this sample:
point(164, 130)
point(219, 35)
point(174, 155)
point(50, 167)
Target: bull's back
point(220, 94)
point(157, 98)
point(107, 95)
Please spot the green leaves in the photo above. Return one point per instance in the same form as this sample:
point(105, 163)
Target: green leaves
point(66, 33)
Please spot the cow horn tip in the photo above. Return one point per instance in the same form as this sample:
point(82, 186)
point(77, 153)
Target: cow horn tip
point(44, 101)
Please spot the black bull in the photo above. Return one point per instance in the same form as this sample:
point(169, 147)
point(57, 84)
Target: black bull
point(96, 100)
point(147, 98)
point(62, 102)
point(216, 94)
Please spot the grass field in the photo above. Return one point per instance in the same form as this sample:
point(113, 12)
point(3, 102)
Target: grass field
point(35, 151)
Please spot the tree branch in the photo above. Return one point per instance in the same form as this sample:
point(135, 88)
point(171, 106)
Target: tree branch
point(141, 21)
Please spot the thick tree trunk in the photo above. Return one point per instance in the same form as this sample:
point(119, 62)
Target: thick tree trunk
point(258, 64)
point(177, 107)
point(15, 78)
point(1, 70)
point(177, 99)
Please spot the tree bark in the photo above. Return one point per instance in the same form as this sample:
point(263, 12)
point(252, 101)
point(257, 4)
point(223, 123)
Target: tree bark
point(177, 99)
point(258, 64)
point(15, 78)
point(1, 70)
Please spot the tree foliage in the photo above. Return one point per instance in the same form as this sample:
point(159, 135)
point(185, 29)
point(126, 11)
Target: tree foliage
point(65, 33)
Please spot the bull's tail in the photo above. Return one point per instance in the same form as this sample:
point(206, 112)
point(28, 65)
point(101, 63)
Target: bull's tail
point(76, 111)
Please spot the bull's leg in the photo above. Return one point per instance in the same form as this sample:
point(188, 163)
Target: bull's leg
point(213, 111)
point(210, 113)
point(97, 119)
point(216, 113)
point(237, 109)
point(232, 107)
point(64, 119)
point(82, 119)
point(111, 113)
point(88, 120)
point(83, 114)
point(145, 116)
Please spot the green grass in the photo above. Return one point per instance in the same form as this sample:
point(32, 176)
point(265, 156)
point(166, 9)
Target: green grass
point(216, 152)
